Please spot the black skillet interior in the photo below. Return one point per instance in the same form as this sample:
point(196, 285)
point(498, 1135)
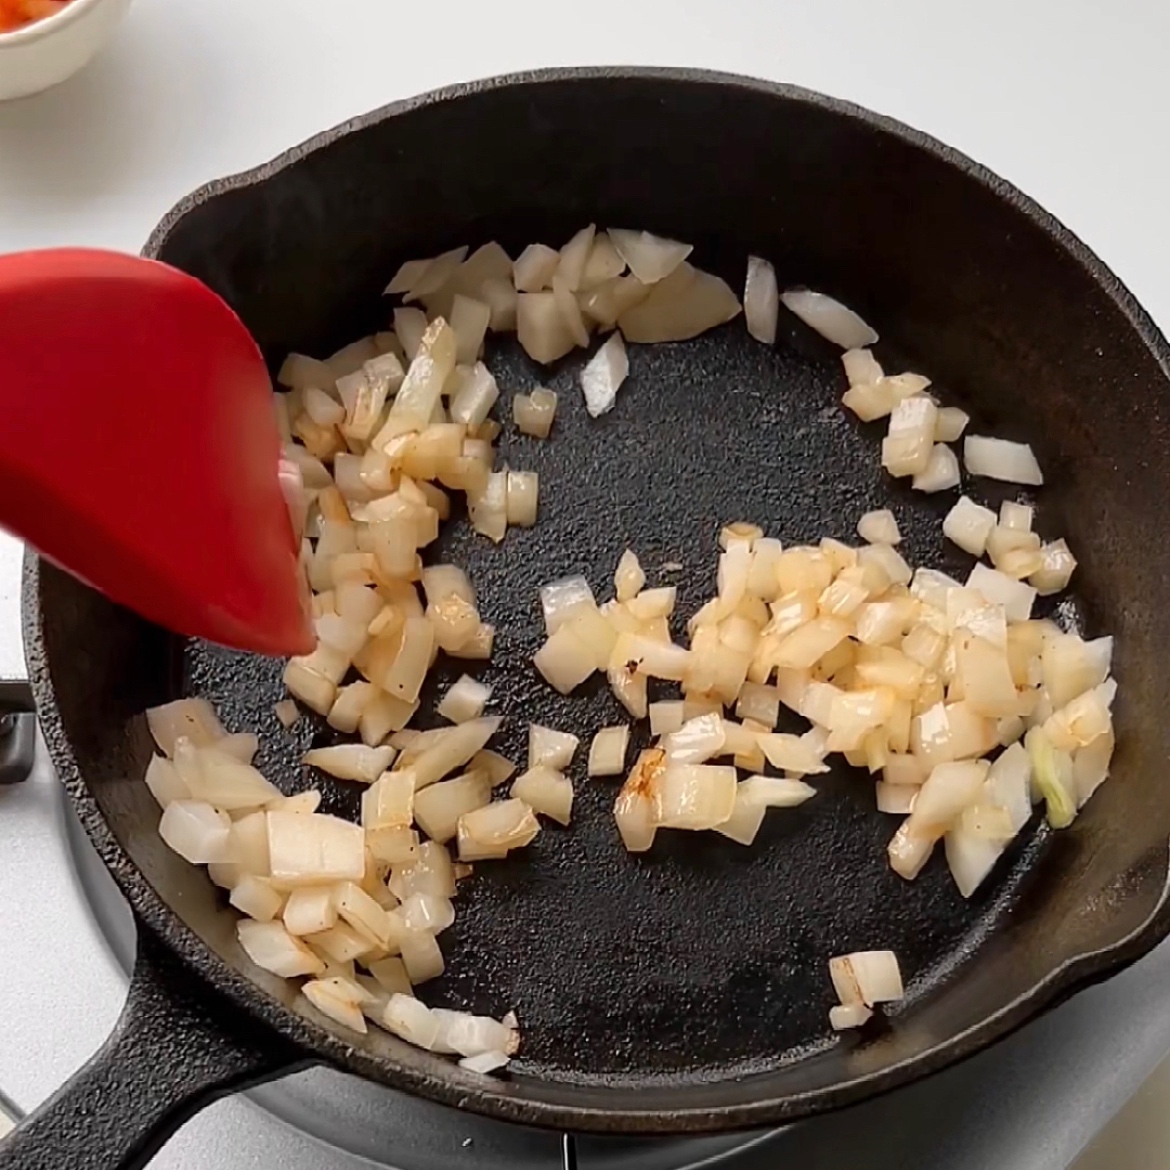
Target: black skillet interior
point(696, 973)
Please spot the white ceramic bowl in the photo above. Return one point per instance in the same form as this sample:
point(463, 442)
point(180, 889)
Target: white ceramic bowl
point(48, 51)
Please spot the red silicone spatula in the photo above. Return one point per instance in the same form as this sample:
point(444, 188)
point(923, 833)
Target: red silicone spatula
point(139, 448)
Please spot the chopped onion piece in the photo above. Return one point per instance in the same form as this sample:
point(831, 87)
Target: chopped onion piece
point(437, 808)
point(1000, 589)
point(607, 752)
point(165, 782)
point(476, 1036)
point(313, 849)
point(271, 947)
point(573, 257)
point(650, 258)
point(310, 910)
point(465, 700)
point(452, 749)
point(333, 998)
point(695, 796)
point(421, 956)
point(603, 263)
point(427, 913)
point(1001, 459)
point(549, 748)
point(559, 600)
point(831, 319)
point(469, 319)
point(411, 1020)
point(603, 376)
point(895, 798)
point(849, 1015)
point(970, 857)
point(776, 791)
point(793, 753)
point(352, 761)
point(488, 509)
point(950, 424)
point(522, 493)
point(949, 789)
point(907, 448)
point(968, 525)
point(879, 527)
point(696, 741)
point(191, 719)
point(941, 472)
point(637, 808)
point(861, 367)
point(1056, 568)
point(760, 703)
point(683, 305)
point(534, 413)
point(254, 896)
point(629, 577)
point(287, 711)
point(541, 327)
point(477, 394)
point(761, 300)
point(546, 791)
point(197, 832)
point(485, 1062)
point(564, 660)
point(496, 829)
point(533, 269)
point(667, 716)
point(867, 977)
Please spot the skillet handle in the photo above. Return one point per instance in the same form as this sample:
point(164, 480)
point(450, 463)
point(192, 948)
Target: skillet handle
point(171, 1053)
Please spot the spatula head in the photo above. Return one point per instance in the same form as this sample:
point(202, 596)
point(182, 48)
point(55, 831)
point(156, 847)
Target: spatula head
point(139, 446)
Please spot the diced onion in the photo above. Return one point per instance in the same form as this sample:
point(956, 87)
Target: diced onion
point(564, 660)
point(607, 752)
point(522, 492)
point(968, 525)
point(534, 268)
point(466, 700)
point(603, 376)
point(761, 300)
point(549, 748)
point(696, 796)
point(352, 761)
point(879, 527)
point(650, 258)
point(496, 829)
point(192, 719)
point(831, 319)
point(546, 791)
point(628, 578)
point(867, 977)
point(1001, 459)
point(909, 445)
point(666, 716)
point(195, 831)
point(271, 947)
point(534, 413)
point(849, 1015)
point(941, 472)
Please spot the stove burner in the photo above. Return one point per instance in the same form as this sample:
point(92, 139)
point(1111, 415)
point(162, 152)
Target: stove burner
point(18, 731)
point(392, 1129)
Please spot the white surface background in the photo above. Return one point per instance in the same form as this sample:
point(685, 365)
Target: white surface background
point(1066, 99)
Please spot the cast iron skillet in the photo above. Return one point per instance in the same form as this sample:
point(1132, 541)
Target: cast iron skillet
point(685, 990)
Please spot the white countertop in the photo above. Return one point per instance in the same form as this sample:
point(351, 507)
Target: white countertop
point(1065, 100)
